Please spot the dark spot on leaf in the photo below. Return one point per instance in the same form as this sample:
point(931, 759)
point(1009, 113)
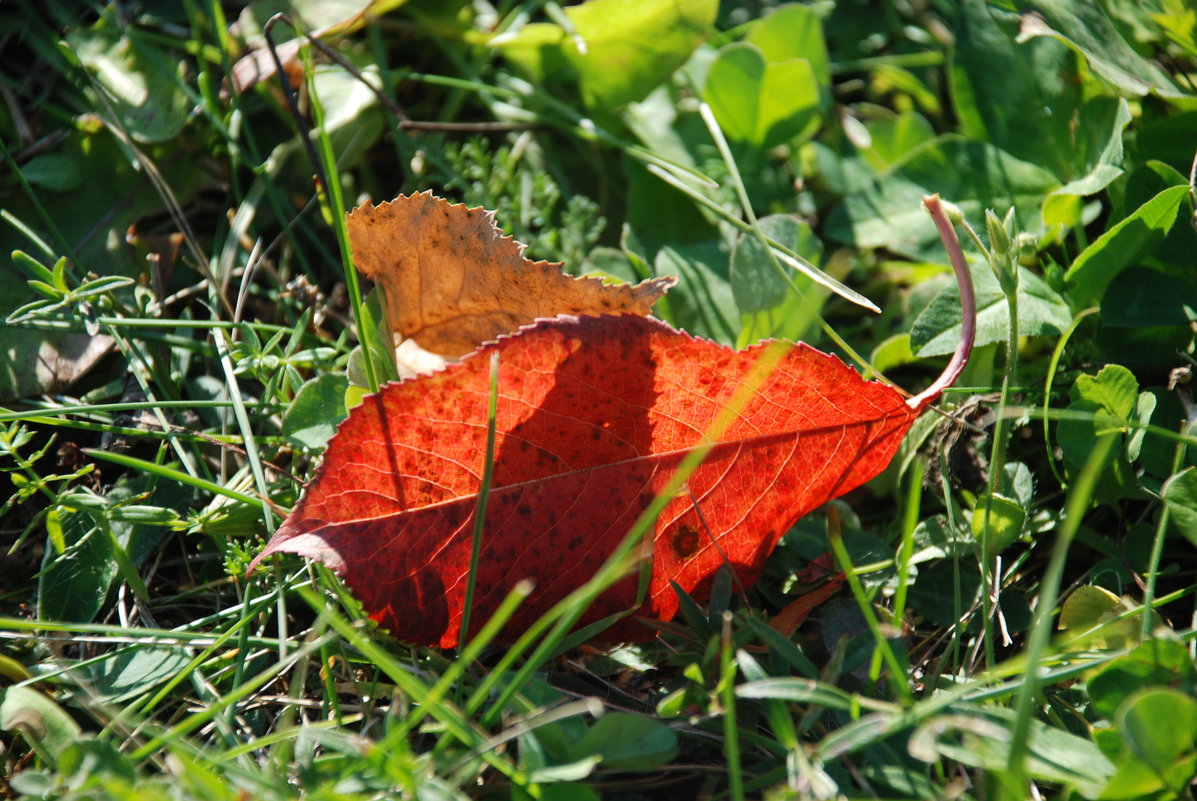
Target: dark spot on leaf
point(685, 541)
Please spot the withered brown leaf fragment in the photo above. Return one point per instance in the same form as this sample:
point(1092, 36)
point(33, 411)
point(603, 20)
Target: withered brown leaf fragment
point(453, 280)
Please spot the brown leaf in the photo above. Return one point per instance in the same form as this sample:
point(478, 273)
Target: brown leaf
point(453, 281)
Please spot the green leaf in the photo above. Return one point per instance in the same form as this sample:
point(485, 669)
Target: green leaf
point(1180, 497)
point(708, 307)
point(134, 671)
point(58, 172)
point(1140, 296)
point(90, 760)
point(759, 103)
point(1114, 388)
point(980, 737)
point(755, 281)
point(893, 136)
point(567, 791)
point(318, 408)
point(792, 31)
point(1085, 607)
point(1124, 244)
point(1003, 516)
point(626, 742)
point(1040, 311)
point(1087, 28)
point(144, 96)
point(73, 585)
point(888, 212)
point(1140, 721)
point(1155, 663)
point(1027, 105)
point(43, 724)
point(618, 50)
point(1097, 146)
point(31, 265)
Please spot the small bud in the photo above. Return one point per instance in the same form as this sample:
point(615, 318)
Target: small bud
point(953, 211)
point(999, 236)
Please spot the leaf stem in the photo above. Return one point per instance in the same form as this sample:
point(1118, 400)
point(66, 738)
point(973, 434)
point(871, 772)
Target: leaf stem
point(968, 306)
point(488, 472)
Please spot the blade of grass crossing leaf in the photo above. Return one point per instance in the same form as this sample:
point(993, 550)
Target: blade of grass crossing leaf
point(468, 657)
point(623, 559)
point(1052, 367)
point(1079, 498)
point(488, 473)
point(583, 127)
point(771, 248)
point(26, 231)
point(47, 220)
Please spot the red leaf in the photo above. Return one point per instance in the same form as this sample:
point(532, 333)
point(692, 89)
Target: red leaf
point(594, 415)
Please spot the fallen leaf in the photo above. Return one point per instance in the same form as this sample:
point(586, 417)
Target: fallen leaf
point(594, 416)
point(453, 280)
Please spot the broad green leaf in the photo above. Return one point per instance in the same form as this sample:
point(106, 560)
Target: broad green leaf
point(1097, 146)
point(975, 175)
point(1155, 663)
point(1140, 721)
point(709, 307)
point(761, 103)
point(315, 412)
point(1085, 606)
point(1140, 296)
point(91, 761)
point(134, 671)
point(1086, 27)
point(1180, 496)
point(755, 280)
point(891, 353)
point(1004, 517)
point(1017, 96)
point(1114, 388)
point(57, 171)
point(42, 723)
point(618, 50)
point(73, 585)
point(1124, 244)
point(1040, 311)
point(564, 791)
point(792, 31)
point(626, 742)
point(893, 136)
point(137, 88)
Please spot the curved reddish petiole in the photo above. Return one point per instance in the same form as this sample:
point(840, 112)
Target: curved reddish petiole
point(968, 306)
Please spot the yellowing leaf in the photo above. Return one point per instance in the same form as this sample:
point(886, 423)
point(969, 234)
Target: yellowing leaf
point(453, 281)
